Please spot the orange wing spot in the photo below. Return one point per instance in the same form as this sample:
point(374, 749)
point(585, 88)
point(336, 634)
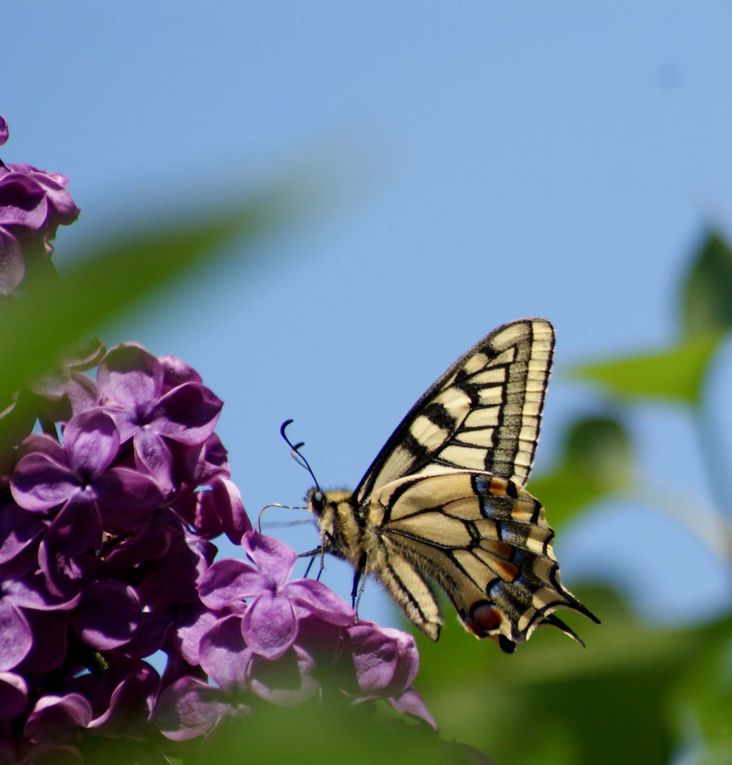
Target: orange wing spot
point(501, 549)
point(507, 570)
point(483, 619)
point(498, 485)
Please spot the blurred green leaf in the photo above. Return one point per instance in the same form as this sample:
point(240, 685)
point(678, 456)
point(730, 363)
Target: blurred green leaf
point(703, 703)
point(118, 274)
point(325, 732)
point(598, 444)
point(595, 461)
point(677, 374)
point(706, 294)
point(603, 704)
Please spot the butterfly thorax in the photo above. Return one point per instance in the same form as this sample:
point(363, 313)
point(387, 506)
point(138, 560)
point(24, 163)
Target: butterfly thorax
point(340, 523)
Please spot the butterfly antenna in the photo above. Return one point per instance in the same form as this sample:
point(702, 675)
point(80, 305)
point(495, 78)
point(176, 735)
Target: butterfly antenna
point(283, 507)
point(295, 452)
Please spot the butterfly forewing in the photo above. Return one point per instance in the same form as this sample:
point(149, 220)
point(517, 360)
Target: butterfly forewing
point(484, 413)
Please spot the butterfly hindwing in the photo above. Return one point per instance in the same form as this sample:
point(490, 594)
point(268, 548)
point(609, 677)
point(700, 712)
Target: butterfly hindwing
point(484, 540)
point(483, 413)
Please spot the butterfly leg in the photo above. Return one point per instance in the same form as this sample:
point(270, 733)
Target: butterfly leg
point(359, 583)
point(311, 554)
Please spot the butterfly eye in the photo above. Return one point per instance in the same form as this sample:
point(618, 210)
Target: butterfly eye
point(316, 500)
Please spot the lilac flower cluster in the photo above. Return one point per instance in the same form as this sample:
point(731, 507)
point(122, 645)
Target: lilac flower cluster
point(33, 204)
point(106, 559)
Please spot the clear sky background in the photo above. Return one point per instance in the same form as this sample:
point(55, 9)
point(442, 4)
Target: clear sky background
point(482, 162)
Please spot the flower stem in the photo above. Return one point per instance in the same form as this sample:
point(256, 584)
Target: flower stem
point(48, 427)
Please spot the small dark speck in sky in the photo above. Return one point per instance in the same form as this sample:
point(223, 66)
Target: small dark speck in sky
point(669, 75)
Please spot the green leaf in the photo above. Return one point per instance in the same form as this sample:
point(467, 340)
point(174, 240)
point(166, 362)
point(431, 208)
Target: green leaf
point(677, 374)
point(117, 275)
point(706, 294)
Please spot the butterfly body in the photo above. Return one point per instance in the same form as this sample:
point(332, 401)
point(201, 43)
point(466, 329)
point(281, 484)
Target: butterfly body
point(444, 501)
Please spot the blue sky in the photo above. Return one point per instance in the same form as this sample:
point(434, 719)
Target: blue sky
point(483, 163)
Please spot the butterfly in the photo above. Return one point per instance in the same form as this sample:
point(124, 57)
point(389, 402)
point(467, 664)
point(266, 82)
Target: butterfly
point(444, 501)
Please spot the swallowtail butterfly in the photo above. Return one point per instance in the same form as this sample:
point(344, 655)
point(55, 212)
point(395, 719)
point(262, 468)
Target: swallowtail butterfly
point(444, 500)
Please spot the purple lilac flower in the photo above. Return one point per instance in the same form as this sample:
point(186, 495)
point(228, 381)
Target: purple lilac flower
point(79, 488)
point(190, 707)
point(33, 204)
point(95, 562)
point(106, 522)
point(269, 624)
point(275, 637)
point(130, 382)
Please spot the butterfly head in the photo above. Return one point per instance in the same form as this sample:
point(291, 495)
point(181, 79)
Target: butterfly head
point(316, 501)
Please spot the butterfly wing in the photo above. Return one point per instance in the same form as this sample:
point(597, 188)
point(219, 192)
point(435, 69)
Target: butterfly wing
point(443, 500)
point(484, 540)
point(483, 413)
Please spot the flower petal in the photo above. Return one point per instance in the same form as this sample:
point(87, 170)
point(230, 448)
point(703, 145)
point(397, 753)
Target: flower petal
point(152, 454)
point(130, 701)
point(269, 626)
point(285, 682)
point(23, 204)
point(191, 625)
point(229, 581)
point(13, 695)
point(187, 414)
point(176, 372)
point(91, 440)
point(18, 529)
point(12, 264)
point(411, 703)
point(77, 527)
point(126, 499)
point(31, 592)
point(63, 574)
point(374, 657)
point(385, 659)
point(315, 598)
point(224, 655)
point(188, 708)
point(40, 442)
point(216, 511)
point(16, 638)
point(108, 614)
point(274, 559)
point(49, 647)
point(39, 483)
point(230, 509)
point(55, 718)
point(130, 378)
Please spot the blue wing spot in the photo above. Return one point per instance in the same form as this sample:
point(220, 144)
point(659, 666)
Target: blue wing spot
point(482, 485)
point(495, 589)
